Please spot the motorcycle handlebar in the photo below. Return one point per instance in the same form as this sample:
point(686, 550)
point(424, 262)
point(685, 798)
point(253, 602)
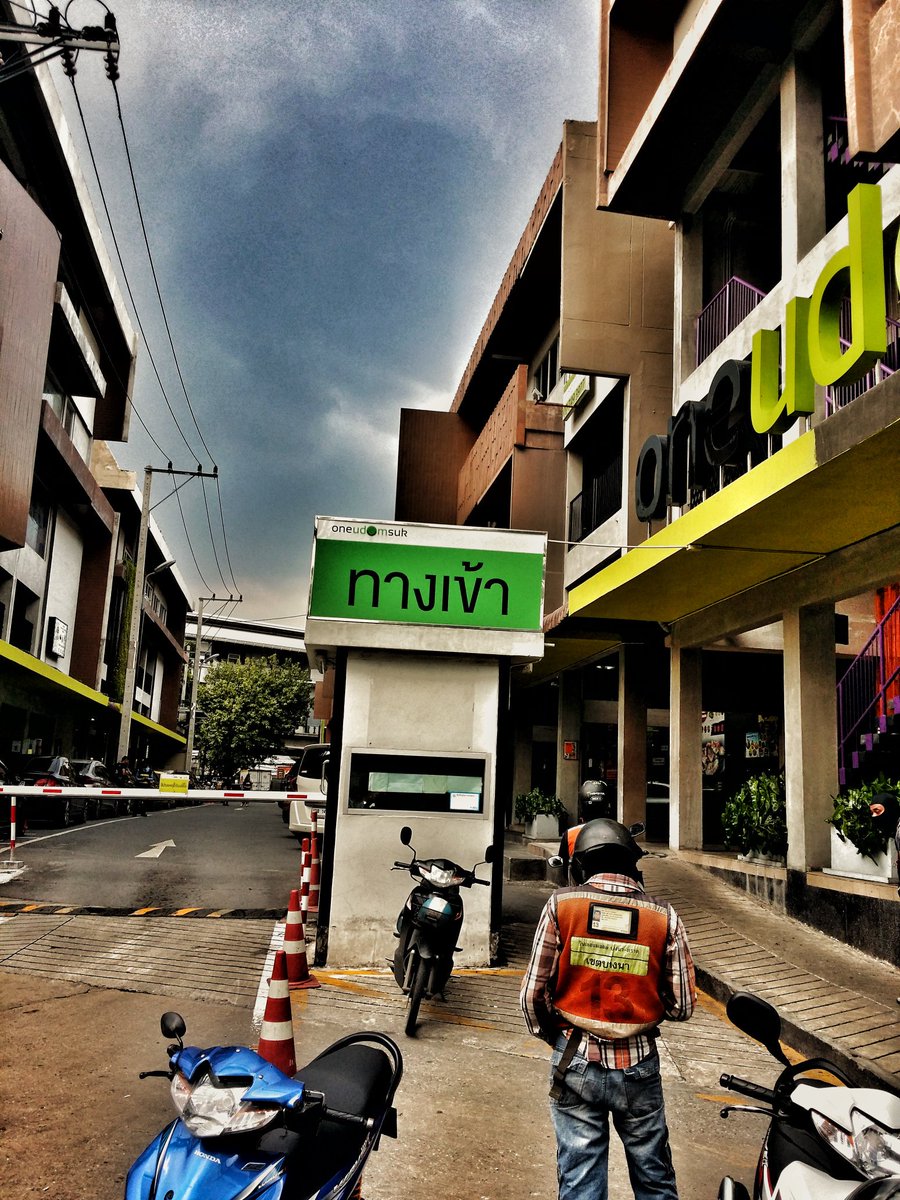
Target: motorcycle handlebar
point(746, 1088)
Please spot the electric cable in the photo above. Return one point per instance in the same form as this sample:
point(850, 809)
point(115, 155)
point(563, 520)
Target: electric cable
point(211, 535)
point(115, 241)
point(162, 307)
point(237, 588)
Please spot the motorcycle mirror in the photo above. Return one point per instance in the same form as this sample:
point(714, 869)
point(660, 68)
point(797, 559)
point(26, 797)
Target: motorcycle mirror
point(172, 1025)
point(489, 854)
point(406, 835)
point(758, 1019)
point(637, 828)
point(555, 860)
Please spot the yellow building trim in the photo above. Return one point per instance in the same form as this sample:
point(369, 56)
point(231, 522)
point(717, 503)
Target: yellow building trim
point(169, 733)
point(37, 667)
point(764, 481)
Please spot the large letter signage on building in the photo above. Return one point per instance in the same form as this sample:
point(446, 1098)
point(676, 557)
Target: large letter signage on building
point(411, 574)
point(833, 337)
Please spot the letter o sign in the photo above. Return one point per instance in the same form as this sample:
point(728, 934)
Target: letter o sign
point(651, 476)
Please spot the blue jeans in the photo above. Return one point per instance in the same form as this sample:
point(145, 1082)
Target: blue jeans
point(581, 1119)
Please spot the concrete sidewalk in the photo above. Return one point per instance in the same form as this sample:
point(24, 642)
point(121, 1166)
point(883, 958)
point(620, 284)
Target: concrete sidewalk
point(834, 1001)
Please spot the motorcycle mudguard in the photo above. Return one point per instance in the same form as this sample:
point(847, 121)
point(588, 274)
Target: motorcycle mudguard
point(731, 1189)
point(180, 1164)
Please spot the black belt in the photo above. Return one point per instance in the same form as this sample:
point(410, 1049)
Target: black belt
point(559, 1074)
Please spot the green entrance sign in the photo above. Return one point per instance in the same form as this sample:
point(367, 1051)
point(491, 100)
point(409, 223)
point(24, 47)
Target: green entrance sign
point(384, 573)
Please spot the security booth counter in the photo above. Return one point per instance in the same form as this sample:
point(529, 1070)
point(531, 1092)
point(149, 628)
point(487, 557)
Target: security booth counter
point(421, 623)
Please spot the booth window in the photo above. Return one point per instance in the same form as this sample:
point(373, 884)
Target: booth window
point(416, 783)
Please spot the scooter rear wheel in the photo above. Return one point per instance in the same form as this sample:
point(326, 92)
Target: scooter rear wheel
point(416, 992)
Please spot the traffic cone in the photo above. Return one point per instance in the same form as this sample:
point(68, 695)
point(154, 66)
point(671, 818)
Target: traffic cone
point(295, 947)
point(276, 1037)
point(313, 906)
point(304, 882)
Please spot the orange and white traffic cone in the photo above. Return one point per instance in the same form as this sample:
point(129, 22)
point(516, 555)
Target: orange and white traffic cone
point(304, 882)
point(313, 906)
point(295, 947)
point(276, 1037)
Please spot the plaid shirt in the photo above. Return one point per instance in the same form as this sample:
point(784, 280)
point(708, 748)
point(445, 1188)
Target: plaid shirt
point(677, 987)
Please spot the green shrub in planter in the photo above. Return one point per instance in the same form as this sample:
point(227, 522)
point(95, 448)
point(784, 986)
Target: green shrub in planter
point(853, 820)
point(754, 819)
point(536, 803)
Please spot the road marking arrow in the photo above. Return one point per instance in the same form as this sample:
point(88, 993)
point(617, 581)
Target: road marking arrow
point(155, 851)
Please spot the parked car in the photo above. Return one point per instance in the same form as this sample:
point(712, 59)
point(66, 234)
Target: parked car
point(7, 775)
point(90, 772)
point(305, 775)
point(56, 772)
point(300, 815)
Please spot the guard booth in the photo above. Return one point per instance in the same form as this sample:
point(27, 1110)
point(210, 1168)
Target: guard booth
point(421, 624)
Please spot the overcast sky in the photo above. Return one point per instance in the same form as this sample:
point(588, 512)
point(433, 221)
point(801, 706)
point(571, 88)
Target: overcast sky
point(332, 191)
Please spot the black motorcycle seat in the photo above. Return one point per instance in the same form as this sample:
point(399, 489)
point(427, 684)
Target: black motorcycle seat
point(353, 1079)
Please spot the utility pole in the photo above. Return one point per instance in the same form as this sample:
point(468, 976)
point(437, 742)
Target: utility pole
point(137, 602)
point(195, 680)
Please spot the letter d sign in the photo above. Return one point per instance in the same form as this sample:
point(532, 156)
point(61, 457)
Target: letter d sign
point(863, 259)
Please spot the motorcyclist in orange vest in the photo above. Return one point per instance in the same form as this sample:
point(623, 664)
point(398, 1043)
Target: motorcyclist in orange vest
point(609, 963)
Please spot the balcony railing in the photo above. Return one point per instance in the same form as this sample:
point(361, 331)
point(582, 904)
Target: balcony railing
point(868, 690)
point(725, 311)
point(599, 501)
point(839, 397)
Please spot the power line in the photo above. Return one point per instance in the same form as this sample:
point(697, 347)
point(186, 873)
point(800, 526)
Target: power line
point(162, 307)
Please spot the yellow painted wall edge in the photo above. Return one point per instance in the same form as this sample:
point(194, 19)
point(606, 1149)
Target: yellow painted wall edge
point(791, 463)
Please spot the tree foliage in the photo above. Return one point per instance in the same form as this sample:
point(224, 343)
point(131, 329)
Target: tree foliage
point(247, 710)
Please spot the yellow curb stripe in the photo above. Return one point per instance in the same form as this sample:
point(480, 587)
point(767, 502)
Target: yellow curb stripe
point(142, 912)
point(183, 912)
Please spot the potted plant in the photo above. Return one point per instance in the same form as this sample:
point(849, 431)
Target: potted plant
point(540, 814)
point(860, 845)
point(754, 819)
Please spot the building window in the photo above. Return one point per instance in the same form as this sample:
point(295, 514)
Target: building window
point(384, 782)
point(38, 523)
point(546, 376)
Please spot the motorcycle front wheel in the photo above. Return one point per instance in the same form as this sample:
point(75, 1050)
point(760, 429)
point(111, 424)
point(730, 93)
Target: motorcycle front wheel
point(416, 992)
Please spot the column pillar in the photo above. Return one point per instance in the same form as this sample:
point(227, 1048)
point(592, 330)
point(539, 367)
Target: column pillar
point(810, 734)
point(568, 730)
point(685, 774)
point(631, 798)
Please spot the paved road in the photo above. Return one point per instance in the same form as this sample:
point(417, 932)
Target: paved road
point(214, 858)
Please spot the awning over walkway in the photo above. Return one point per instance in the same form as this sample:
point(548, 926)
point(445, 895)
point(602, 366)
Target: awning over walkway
point(832, 488)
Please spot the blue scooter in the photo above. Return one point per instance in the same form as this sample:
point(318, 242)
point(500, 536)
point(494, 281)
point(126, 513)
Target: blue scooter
point(247, 1131)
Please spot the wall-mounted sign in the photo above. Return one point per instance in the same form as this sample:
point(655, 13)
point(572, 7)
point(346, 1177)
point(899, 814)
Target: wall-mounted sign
point(575, 389)
point(570, 751)
point(747, 401)
point(413, 574)
point(57, 637)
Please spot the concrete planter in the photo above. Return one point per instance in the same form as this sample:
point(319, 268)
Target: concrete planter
point(542, 828)
point(846, 860)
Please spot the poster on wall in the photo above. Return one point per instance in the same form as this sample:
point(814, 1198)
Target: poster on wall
point(763, 741)
point(712, 742)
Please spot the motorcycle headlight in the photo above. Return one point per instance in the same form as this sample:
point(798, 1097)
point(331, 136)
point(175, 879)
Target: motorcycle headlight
point(441, 876)
point(878, 1149)
point(212, 1108)
point(870, 1147)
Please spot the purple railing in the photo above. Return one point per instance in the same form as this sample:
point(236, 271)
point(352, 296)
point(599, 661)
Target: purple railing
point(863, 694)
point(839, 397)
point(725, 311)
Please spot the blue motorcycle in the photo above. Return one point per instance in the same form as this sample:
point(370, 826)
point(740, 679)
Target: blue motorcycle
point(247, 1131)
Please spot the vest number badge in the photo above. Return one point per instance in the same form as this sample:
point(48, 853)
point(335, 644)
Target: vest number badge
point(618, 920)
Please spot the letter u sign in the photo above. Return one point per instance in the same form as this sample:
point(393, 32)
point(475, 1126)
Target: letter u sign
point(817, 349)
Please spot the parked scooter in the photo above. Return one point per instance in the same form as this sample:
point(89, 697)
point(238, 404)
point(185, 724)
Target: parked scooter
point(246, 1131)
point(825, 1141)
point(429, 925)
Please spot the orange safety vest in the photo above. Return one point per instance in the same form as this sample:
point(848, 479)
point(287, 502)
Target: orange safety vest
point(611, 962)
